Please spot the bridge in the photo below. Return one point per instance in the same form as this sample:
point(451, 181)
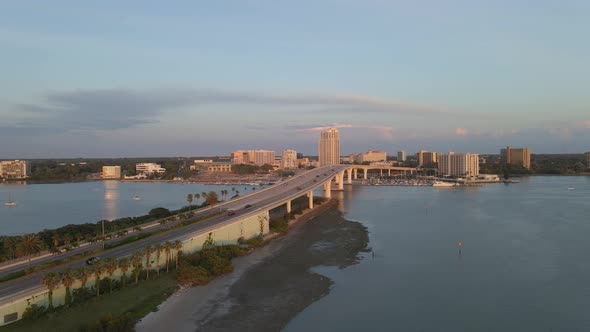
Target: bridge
point(250, 218)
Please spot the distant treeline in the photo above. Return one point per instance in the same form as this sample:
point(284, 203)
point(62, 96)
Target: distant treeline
point(558, 164)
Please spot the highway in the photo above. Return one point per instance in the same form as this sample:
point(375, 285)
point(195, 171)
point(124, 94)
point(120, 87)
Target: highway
point(262, 200)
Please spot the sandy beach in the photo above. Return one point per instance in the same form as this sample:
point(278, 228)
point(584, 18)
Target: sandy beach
point(268, 287)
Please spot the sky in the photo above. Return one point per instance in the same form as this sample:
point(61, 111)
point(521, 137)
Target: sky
point(203, 78)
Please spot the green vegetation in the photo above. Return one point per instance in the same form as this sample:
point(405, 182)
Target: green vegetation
point(551, 164)
point(202, 266)
point(121, 308)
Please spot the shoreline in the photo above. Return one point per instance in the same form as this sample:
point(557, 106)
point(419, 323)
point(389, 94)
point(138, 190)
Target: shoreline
point(245, 301)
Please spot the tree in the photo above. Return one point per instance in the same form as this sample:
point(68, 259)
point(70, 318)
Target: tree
point(98, 269)
point(83, 274)
point(30, 244)
point(167, 249)
point(136, 259)
point(177, 245)
point(189, 199)
point(124, 265)
point(158, 248)
point(67, 278)
point(212, 198)
point(197, 197)
point(148, 250)
point(56, 239)
point(110, 265)
point(51, 281)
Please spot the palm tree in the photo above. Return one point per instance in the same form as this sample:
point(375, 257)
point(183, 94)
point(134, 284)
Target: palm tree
point(148, 250)
point(98, 270)
point(177, 245)
point(67, 238)
point(30, 244)
point(67, 279)
point(233, 189)
point(158, 247)
point(189, 199)
point(136, 259)
point(197, 197)
point(56, 239)
point(204, 195)
point(110, 265)
point(83, 274)
point(124, 265)
point(51, 281)
point(167, 248)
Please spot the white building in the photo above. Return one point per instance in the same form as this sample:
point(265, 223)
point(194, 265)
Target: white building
point(14, 169)
point(149, 168)
point(401, 155)
point(111, 172)
point(459, 165)
point(329, 147)
point(289, 159)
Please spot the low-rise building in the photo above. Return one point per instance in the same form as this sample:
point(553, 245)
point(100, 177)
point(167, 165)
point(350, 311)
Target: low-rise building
point(426, 158)
point(256, 157)
point(149, 168)
point(14, 169)
point(369, 157)
point(212, 167)
point(111, 172)
point(516, 157)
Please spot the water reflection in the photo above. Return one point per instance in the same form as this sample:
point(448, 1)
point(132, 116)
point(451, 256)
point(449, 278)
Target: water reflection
point(111, 197)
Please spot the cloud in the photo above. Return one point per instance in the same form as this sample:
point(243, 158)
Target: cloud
point(384, 131)
point(111, 109)
point(460, 132)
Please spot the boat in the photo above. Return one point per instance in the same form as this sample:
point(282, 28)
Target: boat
point(10, 201)
point(136, 198)
point(442, 184)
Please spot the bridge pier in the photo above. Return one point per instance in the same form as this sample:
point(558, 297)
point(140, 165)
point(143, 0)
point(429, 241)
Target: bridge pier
point(355, 175)
point(328, 189)
point(310, 195)
point(389, 172)
point(349, 176)
point(289, 206)
point(365, 173)
point(341, 180)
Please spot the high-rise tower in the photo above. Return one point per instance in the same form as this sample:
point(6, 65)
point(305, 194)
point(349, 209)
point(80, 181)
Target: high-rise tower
point(329, 147)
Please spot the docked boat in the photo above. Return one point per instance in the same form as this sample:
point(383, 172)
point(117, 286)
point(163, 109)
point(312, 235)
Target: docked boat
point(136, 198)
point(442, 184)
point(10, 201)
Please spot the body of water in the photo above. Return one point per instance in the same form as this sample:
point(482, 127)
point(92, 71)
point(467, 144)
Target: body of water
point(524, 263)
point(49, 206)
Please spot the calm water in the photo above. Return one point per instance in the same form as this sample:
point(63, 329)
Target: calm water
point(525, 263)
point(48, 206)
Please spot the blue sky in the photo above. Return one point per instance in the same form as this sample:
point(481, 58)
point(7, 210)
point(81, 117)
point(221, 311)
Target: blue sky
point(152, 78)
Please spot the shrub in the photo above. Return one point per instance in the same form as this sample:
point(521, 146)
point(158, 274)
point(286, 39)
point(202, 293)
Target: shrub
point(110, 323)
point(34, 311)
point(192, 275)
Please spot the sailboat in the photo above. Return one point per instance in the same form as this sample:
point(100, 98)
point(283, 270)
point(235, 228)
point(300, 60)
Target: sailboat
point(10, 201)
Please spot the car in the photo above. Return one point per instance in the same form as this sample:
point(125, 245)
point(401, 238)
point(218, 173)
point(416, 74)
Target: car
point(231, 212)
point(314, 180)
point(317, 176)
point(247, 206)
point(92, 260)
point(298, 188)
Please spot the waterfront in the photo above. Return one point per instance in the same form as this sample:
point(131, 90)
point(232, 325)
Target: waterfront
point(48, 206)
point(523, 266)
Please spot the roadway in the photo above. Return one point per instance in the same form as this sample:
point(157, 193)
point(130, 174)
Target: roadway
point(261, 200)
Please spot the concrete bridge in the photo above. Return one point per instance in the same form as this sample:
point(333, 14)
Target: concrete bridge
point(249, 218)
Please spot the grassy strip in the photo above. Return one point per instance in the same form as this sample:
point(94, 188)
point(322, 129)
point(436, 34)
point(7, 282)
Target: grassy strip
point(134, 300)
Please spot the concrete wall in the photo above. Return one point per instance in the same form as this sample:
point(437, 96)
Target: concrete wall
point(246, 228)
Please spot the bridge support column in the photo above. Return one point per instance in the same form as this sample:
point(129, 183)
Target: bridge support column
point(381, 172)
point(355, 175)
point(365, 173)
point(349, 174)
point(341, 180)
point(310, 195)
point(389, 172)
point(328, 189)
point(288, 206)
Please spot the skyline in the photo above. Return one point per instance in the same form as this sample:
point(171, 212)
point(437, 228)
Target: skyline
point(136, 79)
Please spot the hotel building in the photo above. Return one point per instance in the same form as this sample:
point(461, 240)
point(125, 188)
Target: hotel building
point(426, 158)
point(256, 157)
point(14, 169)
point(516, 157)
point(401, 155)
point(329, 147)
point(459, 165)
point(149, 168)
point(111, 172)
point(289, 159)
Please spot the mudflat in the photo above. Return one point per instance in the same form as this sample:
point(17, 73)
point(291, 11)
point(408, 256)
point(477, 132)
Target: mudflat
point(269, 287)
